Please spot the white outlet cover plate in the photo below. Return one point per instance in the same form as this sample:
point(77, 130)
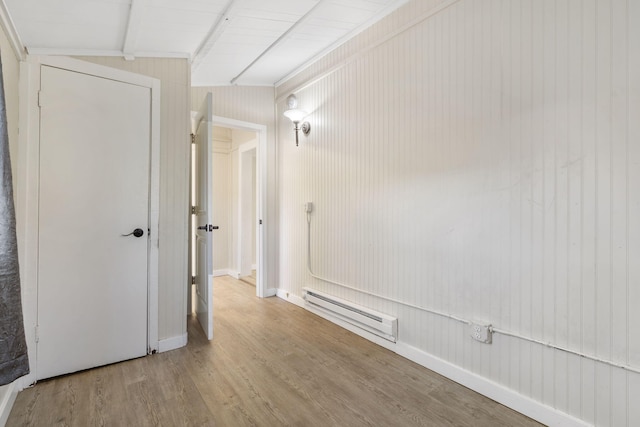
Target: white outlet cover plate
point(480, 332)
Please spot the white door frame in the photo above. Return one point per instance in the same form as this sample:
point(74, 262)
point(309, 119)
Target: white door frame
point(28, 179)
point(261, 207)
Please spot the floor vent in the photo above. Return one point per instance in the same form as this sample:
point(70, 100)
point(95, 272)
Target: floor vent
point(383, 325)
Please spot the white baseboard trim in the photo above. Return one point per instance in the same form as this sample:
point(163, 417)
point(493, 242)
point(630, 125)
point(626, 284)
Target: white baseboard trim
point(270, 292)
point(234, 274)
point(294, 299)
point(6, 401)
point(501, 394)
point(172, 343)
point(218, 273)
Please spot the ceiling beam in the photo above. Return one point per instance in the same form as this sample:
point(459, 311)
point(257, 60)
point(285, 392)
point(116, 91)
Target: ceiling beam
point(10, 30)
point(282, 37)
point(133, 29)
point(214, 33)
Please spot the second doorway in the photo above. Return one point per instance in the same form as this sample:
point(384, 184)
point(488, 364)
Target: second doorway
point(235, 210)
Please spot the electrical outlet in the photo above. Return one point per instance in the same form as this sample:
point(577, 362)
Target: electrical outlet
point(480, 332)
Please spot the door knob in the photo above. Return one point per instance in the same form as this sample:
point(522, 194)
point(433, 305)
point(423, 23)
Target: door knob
point(137, 233)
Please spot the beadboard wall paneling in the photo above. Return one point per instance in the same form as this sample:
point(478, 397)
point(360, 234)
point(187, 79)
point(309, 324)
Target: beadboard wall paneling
point(175, 77)
point(481, 159)
point(253, 104)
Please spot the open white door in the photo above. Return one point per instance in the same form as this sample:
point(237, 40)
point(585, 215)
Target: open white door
point(203, 256)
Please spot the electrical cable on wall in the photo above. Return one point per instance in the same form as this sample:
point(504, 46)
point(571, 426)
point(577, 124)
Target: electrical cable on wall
point(309, 208)
point(448, 316)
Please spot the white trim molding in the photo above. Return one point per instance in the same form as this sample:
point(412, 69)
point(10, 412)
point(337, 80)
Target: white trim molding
point(7, 398)
point(10, 30)
point(44, 51)
point(172, 343)
point(293, 299)
point(221, 272)
point(529, 407)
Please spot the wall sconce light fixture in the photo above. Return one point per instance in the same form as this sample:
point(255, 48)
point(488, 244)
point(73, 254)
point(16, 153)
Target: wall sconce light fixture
point(296, 116)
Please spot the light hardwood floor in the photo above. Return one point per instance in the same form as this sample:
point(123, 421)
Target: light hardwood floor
point(250, 279)
point(270, 364)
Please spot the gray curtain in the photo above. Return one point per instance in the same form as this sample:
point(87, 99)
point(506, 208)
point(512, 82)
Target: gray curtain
point(14, 362)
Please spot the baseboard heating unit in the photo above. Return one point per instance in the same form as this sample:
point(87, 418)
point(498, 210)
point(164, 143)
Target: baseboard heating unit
point(380, 324)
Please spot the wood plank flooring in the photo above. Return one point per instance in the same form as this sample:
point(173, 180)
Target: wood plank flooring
point(250, 279)
point(270, 364)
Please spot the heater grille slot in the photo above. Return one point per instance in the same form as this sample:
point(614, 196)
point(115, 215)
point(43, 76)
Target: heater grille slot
point(345, 306)
point(371, 321)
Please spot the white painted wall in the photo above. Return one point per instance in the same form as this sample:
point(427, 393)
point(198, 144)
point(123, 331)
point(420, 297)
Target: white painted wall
point(246, 206)
point(221, 193)
point(241, 140)
point(254, 208)
point(175, 76)
point(481, 158)
point(221, 197)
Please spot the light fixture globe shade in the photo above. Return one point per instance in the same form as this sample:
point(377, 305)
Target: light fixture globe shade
point(295, 115)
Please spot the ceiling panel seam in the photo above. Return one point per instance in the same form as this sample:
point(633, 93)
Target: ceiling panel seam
point(275, 43)
point(216, 31)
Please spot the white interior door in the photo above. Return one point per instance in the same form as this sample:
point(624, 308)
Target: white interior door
point(203, 222)
point(94, 187)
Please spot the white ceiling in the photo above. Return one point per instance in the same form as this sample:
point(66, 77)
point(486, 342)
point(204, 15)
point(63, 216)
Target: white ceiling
point(221, 37)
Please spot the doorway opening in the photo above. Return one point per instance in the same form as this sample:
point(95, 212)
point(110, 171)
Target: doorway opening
point(238, 192)
point(246, 218)
point(248, 210)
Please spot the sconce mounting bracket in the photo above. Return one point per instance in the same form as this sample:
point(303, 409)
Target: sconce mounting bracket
point(306, 128)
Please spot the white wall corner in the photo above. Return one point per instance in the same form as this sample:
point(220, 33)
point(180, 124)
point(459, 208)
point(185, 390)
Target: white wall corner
point(8, 394)
point(172, 343)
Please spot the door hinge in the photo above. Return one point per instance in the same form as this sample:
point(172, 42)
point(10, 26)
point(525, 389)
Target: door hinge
point(193, 280)
point(260, 222)
point(40, 98)
point(193, 138)
point(37, 334)
point(193, 210)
